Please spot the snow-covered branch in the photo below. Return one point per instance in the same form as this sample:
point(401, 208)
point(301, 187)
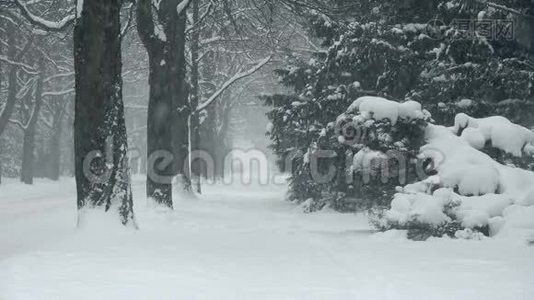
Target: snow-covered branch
point(42, 23)
point(201, 19)
point(182, 6)
point(232, 80)
point(26, 88)
point(128, 24)
point(58, 93)
point(67, 74)
point(216, 39)
point(27, 68)
point(504, 8)
point(19, 124)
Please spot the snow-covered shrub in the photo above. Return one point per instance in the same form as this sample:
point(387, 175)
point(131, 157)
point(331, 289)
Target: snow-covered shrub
point(504, 141)
point(383, 138)
point(471, 193)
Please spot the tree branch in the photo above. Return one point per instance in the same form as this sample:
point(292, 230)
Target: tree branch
point(27, 68)
point(42, 23)
point(232, 80)
point(58, 93)
point(182, 6)
point(201, 19)
point(128, 25)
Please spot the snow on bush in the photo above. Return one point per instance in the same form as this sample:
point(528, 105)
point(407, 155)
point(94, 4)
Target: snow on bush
point(471, 193)
point(382, 109)
point(382, 137)
point(460, 165)
point(498, 131)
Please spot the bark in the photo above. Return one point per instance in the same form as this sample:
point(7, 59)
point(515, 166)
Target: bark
point(1, 150)
point(168, 109)
point(12, 85)
point(195, 96)
point(214, 134)
point(28, 147)
point(54, 147)
point(100, 141)
point(12, 81)
point(9, 106)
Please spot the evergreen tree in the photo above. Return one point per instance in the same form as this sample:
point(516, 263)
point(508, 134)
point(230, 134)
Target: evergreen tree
point(436, 53)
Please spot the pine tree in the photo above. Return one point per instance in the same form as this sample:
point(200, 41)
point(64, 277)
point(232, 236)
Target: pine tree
point(400, 50)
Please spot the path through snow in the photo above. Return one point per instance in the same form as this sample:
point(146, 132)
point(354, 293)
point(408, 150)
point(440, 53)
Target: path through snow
point(237, 242)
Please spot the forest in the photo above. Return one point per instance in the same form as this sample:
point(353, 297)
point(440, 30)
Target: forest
point(266, 149)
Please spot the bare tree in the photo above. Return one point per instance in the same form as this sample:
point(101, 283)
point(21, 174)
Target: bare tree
point(29, 111)
point(161, 26)
point(102, 171)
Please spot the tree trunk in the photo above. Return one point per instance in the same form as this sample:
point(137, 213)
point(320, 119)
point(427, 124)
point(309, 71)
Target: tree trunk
point(53, 171)
point(12, 85)
point(1, 51)
point(207, 141)
point(9, 107)
point(195, 96)
point(28, 148)
point(100, 141)
point(168, 110)
point(28, 156)
point(12, 81)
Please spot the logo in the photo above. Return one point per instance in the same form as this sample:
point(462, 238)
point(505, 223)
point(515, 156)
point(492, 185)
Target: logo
point(470, 29)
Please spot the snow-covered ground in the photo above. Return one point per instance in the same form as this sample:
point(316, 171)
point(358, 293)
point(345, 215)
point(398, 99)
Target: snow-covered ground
point(237, 242)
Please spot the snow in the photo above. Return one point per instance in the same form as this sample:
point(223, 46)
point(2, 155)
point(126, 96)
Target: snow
point(366, 159)
point(46, 23)
point(472, 171)
point(156, 4)
point(518, 223)
point(239, 242)
point(420, 207)
point(502, 133)
point(414, 27)
point(462, 156)
point(474, 137)
point(470, 178)
point(382, 109)
point(487, 190)
point(491, 204)
point(476, 171)
point(182, 6)
point(269, 128)
point(478, 211)
point(470, 187)
point(160, 32)
point(410, 110)
point(79, 8)
point(465, 103)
